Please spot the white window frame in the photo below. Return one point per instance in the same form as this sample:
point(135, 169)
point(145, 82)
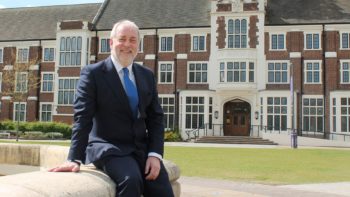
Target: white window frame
point(313, 71)
point(172, 43)
point(20, 58)
point(281, 71)
point(240, 34)
point(225, 71)
point(319, 40)
point(195, 71)
point(168, 106)
point(342, 62)
point(141, 44)
point(316, 115)
point(160, 72)
point(1, 55)
point(54, 54)
point(68, 90)
point(198, 43)
point(25, 111)
point(41, 111)
point(23, 84)
point(47, 81)
point(106, 40)
point(341, 40)
point(71, 52)
point(275, 107)
point(284, 41)
point(195, 111)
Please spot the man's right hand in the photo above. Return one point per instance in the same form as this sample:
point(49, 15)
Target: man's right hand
point(67, 166)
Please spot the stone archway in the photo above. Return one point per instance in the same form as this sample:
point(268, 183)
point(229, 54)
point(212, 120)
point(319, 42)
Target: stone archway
point(237, 115)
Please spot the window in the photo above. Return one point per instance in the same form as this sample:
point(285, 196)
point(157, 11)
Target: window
point(19, 113)
point(312, 41)
point(334, 115)
point(22, 55)
point(105, 48)
point(277, 41)
point(166, 44)
point(47, 82)
point(168, 105)
point(49, 54)
point(344, 72)
point(194, 112)
point(1, 55)
point(166, 73)
point(312, 72)
point(70, 51)
point(345, 114)
point(237, 33)
point(345, 40)
point(237, 72)
point(313, 114)
point(21, 82)
point(141, 45)
point(198, 43)
point(66, 91)
point(197, 72)
point(277, 72)
point(277, 113)
point(46, 112)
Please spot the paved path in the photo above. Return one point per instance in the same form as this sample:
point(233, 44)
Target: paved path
point(202, 187)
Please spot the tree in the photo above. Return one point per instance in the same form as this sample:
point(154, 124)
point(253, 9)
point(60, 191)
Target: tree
point(20, 79)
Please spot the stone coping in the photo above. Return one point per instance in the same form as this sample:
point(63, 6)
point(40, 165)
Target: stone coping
point(89, 182)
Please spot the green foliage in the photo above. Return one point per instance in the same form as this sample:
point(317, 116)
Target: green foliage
point(268, 166)
point(44, 127)
point(172, 136)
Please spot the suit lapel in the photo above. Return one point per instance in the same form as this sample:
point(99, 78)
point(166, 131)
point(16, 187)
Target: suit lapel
point(113, 80)
point(140, 82)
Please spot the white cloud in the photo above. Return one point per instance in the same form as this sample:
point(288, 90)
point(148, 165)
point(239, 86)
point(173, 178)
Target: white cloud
point(1, 6)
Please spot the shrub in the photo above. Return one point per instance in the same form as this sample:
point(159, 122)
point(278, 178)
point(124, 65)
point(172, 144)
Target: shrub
point(44, 127)
point(172, 136)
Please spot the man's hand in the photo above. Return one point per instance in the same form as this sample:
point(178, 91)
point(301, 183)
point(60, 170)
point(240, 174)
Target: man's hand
point(67, 166)
point(152, 168)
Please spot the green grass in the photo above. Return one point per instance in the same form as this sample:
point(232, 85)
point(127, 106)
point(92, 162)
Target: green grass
point(269, 166)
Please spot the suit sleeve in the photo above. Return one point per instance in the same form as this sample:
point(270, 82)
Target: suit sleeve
point(154, 122)
point(84, 110)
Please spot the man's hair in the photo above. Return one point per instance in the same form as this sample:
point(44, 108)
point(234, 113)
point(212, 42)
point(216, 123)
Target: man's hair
point(124, 22)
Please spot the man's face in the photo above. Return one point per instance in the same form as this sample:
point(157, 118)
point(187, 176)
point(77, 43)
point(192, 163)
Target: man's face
point(124, 46)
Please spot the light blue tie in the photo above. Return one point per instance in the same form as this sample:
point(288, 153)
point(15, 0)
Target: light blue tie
point(131, 91)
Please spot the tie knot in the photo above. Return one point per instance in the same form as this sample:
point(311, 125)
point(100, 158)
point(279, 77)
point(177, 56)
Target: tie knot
point(126, 71)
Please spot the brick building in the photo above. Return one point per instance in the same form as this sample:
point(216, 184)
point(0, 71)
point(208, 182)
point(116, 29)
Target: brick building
point(222, 66)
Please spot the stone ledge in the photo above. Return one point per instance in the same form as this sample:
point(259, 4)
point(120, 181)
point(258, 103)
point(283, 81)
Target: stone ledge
point(89, 182)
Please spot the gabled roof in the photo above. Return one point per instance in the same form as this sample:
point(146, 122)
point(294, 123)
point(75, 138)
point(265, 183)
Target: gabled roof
point(41, 22)
point(156, 13)
point(282, 12)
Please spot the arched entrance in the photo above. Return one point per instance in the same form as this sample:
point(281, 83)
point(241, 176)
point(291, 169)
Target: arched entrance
point(236, 118)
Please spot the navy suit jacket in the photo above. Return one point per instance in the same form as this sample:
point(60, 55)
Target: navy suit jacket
point(103, 120)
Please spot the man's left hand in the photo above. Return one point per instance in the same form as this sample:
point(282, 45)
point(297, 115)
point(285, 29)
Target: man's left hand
point(152, 168)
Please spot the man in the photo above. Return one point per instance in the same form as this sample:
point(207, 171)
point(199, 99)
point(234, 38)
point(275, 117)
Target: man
point(118, 122)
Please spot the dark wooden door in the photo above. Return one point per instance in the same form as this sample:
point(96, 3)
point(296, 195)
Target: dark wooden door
point(237, 118)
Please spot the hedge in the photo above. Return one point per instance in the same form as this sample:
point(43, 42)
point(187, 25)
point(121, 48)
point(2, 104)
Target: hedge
point(44, 127)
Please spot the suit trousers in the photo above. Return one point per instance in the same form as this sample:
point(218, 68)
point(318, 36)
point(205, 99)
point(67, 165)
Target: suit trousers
point(128, 174)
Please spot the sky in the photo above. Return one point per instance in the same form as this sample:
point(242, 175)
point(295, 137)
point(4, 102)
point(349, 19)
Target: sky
point(34, 3)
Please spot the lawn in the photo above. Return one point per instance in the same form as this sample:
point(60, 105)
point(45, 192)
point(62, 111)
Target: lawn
point(269, 166)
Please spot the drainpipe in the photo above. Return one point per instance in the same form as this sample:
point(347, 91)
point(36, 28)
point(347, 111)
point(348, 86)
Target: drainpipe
point(324, 79)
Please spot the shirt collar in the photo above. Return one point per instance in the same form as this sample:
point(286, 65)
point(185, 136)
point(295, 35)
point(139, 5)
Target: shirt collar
point(118, 67)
